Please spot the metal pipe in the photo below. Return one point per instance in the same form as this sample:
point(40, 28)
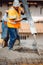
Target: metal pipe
point(31, 22)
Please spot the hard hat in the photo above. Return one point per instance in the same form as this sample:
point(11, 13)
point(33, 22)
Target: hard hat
point(16, 3)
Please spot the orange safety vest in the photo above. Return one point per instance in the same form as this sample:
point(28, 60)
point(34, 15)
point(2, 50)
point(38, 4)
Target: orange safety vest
point(13, 12)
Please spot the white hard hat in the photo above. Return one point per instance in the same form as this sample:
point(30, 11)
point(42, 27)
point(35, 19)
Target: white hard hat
point(16, 3)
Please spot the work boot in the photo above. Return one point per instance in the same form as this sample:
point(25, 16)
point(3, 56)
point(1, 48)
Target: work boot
point(6, 44)
point(2, 43)
point(17, 42)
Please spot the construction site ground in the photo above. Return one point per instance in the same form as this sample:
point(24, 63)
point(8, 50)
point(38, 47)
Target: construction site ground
point(22, 55)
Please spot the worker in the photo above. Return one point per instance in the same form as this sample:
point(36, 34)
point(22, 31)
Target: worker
point(4, 35)
point(14, 18)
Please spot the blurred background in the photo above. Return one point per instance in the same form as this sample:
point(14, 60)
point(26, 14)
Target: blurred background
point(36, 9)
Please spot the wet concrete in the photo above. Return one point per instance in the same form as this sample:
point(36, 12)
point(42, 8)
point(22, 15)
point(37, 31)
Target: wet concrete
point(24, 54)
point(10, 57)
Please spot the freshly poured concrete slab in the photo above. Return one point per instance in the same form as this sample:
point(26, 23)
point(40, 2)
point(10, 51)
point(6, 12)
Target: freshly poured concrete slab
point(14, 57)
point(23, 54)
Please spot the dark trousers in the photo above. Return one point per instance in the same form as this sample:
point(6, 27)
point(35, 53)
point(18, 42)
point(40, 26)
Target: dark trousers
point(5, 34)
point(13, 35)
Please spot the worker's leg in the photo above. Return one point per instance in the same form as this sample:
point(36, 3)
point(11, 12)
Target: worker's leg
point(4, 34)
point(13, 37)
point(4, 30)
point(6, 39)
point(18, 37)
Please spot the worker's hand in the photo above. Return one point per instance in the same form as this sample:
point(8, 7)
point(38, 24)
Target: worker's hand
point(5, 23)
point(21, 9)
point(18, 20)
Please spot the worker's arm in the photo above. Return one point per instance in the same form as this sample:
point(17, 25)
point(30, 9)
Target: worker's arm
point(4, 18)
point(6, 11)
point(21, 9)
point(5, 22)
point(18, 20)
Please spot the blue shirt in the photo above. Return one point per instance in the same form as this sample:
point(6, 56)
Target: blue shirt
point(4, 17)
